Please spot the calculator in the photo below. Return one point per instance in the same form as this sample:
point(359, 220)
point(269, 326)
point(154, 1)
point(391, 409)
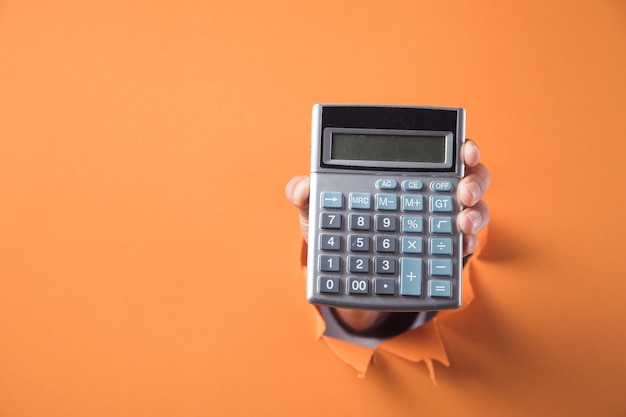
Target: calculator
point(383, 207)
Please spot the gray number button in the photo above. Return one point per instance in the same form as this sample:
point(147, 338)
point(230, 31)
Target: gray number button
point(330, 242)
point(330, 221)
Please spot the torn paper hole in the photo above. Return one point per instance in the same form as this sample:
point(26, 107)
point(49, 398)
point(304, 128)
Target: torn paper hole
point(421, 343)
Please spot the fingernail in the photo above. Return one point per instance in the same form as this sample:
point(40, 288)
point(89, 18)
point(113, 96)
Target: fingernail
point(474, 190)
point(475, 217)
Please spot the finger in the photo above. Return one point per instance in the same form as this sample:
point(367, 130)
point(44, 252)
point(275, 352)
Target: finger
point(473, 219)
point(470, 243)
point(472, 188)
point(297, 192)
point(470, 153)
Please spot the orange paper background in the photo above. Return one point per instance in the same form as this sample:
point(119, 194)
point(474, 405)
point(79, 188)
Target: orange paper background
point(149, 264)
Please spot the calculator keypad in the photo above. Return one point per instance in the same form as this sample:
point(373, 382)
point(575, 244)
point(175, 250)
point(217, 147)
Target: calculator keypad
point(389, 243)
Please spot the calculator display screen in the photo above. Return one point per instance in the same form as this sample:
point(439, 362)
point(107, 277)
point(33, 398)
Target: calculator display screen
point(393, 148)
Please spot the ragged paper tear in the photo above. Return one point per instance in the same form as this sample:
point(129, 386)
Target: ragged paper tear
point(419, 344)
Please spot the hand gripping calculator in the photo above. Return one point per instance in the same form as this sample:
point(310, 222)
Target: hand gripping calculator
point(383, 207)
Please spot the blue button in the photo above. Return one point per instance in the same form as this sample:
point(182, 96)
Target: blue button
point(386, 184)
point(441, 225)
point(439, 204)
point(332, 199)
point(441, 246)
point(411, 244)
point(438, 288)
point(412, 202)
point(412, 224)
point(386, 202)
point(361, 201)
point(443, 186)
point(412, 185)
point(440, 267)
point(411, 277)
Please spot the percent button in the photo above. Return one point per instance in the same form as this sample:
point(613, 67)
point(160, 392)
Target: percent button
point(412, 224)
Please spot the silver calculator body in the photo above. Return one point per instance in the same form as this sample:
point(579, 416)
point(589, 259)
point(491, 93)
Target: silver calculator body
point(383, 207)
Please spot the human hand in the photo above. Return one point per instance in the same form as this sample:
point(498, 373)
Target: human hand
point(472, 219)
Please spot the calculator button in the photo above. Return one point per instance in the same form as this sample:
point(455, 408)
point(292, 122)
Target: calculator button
point(330, 221)
point(411, 244)
point(360, 221)
point(386, 184)
point(358, 243)
point(441, 225)
point(441, 204)
point(329, 285)
point(360, 264)
point(360, 201)
point(440, 267)
point(412, 224)
point(412, 202)
point(411, 277)
point(437, 288)
point(412, 185)
point(330, 242)
point(385, 286)
point(358, 285)
point(441, 186)
point(383, 265)
point(386, 202)
point(330, 263)
point(385, 244)
point(441, 246)
point(386, 223)
point(332, 199)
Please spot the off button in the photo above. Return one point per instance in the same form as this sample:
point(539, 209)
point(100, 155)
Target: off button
point(441, 186)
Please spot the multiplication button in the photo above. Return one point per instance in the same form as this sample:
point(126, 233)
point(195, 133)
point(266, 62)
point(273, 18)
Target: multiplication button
point(411, 244)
